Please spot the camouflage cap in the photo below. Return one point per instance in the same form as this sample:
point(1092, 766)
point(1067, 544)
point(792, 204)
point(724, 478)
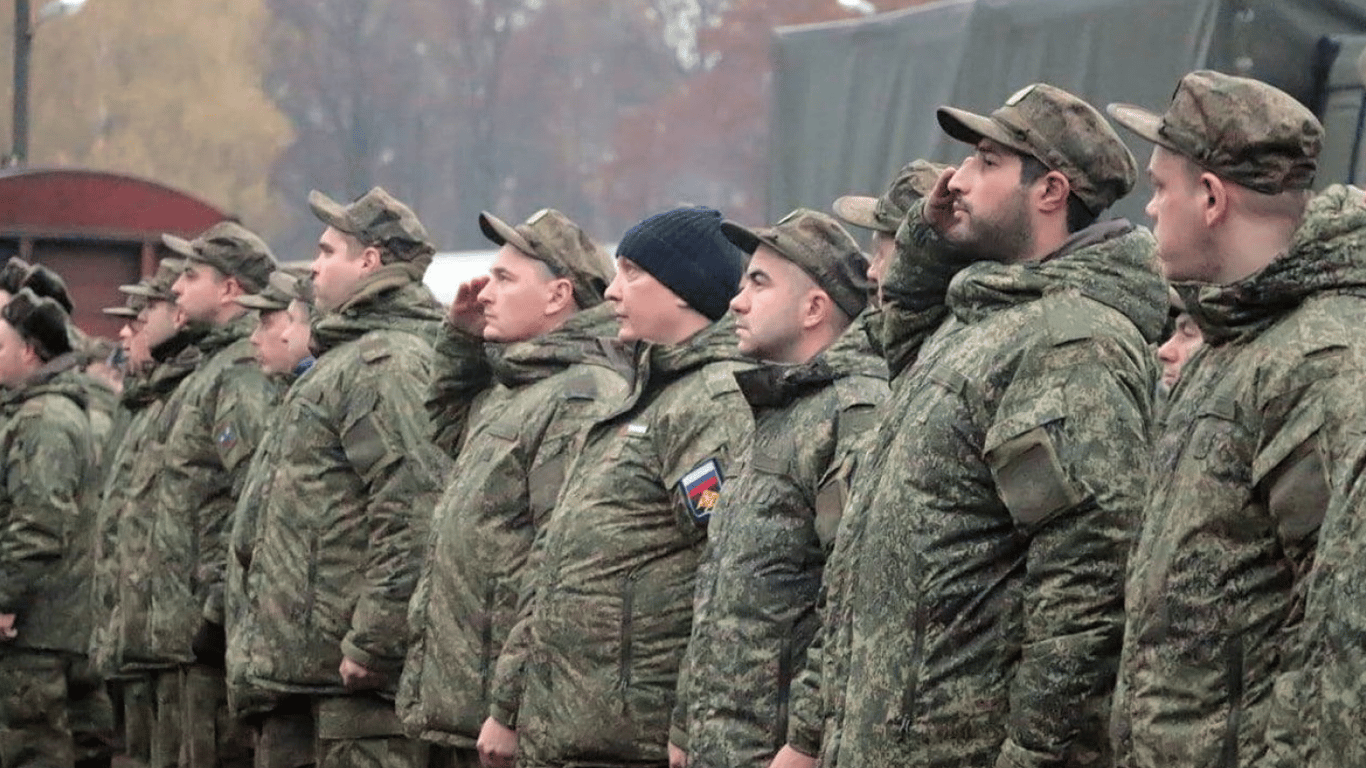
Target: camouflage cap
point(551, 238)
point(884, 214)
point(823, 249)
point(158, 286)
point(1059, 130)
point(283, 287)
point(1237, 128)
point(130, 309)
point(376, 218)
point(230, 248)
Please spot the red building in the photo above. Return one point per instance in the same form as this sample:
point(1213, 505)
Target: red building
point(97, 230)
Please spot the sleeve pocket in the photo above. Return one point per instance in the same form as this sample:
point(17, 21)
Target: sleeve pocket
point(1028, 473)
point(1291, 471)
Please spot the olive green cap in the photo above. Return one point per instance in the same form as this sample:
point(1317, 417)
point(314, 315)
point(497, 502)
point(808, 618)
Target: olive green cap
point(1237, 128)
point(553, 239)
point(884, 214)
point(1059, 130)
point(817, 243)
point(230, 248)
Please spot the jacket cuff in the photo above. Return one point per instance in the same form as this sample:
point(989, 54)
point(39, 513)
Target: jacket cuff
point(504, 715)
point(213, 608)
point(678, 737)
point(370, 661)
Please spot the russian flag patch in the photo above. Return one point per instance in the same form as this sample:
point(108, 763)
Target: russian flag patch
point(701, 489)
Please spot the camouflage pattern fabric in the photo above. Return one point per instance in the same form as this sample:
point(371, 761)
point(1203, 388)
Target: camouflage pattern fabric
point(217, 415)
point(984, 606)
point(588, 675)
point(531, 401)
point(1261, 435)
point(755, 609)
point(47, 491)
point(342, 514)
point(34, 731)
point(123, 539)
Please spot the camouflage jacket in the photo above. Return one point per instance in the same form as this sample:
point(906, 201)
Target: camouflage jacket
point(1261, 428)
point(537, 397)
point(244, 699)
point(755, 606)
point(124, 541)
point(589, 672)
point(984, 609)
point(47, 490)
point(341, 512)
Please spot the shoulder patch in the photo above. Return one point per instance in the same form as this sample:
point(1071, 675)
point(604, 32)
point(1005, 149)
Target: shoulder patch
point(720, 380)
point(373, 349)
point(1066, 324)
point(580, 386)
point(701, 488)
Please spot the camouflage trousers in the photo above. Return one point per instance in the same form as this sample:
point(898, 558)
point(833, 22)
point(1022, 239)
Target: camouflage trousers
point(90, 713)
point(34, 730)
point(210, 737)
point(336, 732)
point(150, 712)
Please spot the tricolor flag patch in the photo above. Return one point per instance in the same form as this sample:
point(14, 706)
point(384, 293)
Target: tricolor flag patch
point(702, 489)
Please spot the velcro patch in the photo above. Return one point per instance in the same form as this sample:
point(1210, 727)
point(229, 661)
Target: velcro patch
point(702, 489)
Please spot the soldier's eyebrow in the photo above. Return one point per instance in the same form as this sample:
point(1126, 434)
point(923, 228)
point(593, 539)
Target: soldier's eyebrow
point(756, 275)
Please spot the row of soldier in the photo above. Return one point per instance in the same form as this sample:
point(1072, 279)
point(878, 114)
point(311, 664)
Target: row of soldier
point(931, 507)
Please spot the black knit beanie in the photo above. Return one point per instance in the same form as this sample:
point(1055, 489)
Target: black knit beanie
point(686, 251)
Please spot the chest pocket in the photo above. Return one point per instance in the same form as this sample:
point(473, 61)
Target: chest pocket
point(1221, 444)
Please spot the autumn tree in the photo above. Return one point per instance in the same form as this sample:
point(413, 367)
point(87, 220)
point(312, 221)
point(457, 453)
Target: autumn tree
point(171, 94)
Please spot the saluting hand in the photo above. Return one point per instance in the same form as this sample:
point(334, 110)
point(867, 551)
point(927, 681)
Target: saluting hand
point(939, 213)
point(677, 757)
point(467, 313)
point(7, 630)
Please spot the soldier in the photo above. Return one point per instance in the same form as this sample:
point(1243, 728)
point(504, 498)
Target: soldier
point(148, 689)
point(282, 333)
point(509, 412)
point(589, 672)
point(1184, 341)
point(813, 400)
point(217, 412)
point(982, 600)
point(884, 214)
point(45, 501)
point(341, 507)
point(1262, 427)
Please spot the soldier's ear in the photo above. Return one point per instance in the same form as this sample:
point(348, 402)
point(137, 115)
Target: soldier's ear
point(1214, 198)
point(561, 296)
point(1054, 192)
point(371, 259)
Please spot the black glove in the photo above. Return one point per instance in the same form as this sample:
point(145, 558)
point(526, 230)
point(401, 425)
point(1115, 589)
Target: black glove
point(210, 645)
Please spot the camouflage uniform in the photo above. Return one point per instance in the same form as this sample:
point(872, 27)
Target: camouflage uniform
point(1262, 433)
point(589, 672)
point(46, 500)
point(517, 410)
point(755, 605)
point(755, 610)
point(983, 600)
point(342, 513)
point(119, 647)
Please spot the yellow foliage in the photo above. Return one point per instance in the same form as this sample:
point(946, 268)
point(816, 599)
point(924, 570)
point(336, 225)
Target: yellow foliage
point(170, 90)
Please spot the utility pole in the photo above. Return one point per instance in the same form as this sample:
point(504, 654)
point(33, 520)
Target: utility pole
point(23, 47)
